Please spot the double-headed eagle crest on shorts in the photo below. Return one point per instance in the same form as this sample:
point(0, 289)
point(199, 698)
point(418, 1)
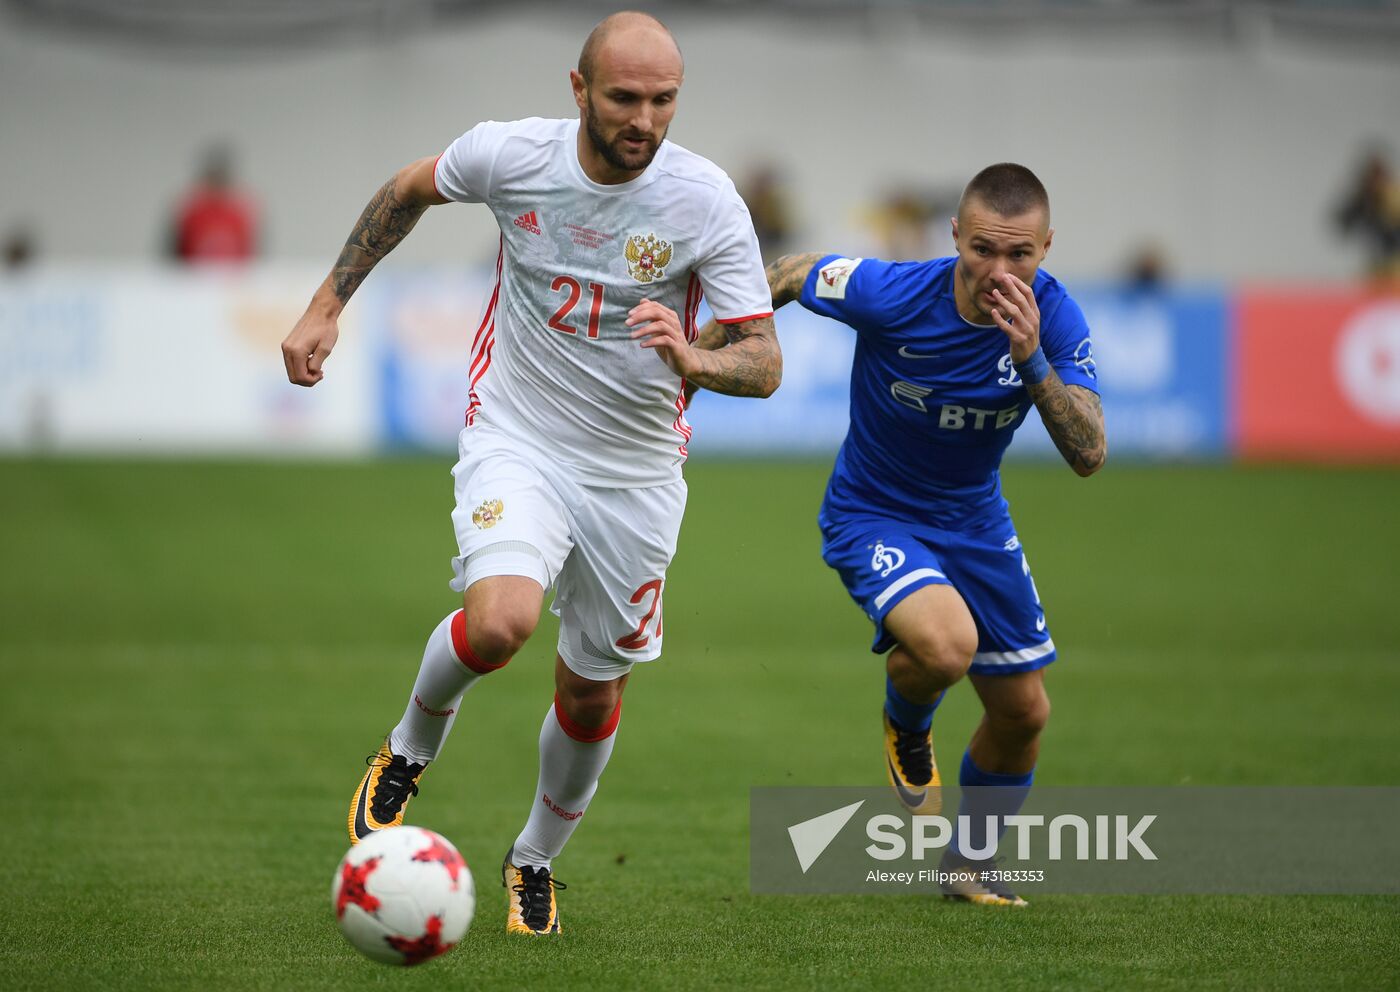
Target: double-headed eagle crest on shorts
point(647, 257)
point(488, 514)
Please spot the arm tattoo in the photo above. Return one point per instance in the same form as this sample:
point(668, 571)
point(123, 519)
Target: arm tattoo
point(385, 222)
point(750, 364)
point(1073, 416)
point(756, 368)
point(787, 274)
point(785, 278)
point(711, 336)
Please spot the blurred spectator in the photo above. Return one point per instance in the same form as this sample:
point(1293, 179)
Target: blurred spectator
point(19, 249)
point(914, 223)
point(1371, 214)
point(1146, 271)
point(215, 222)
point(766, 195)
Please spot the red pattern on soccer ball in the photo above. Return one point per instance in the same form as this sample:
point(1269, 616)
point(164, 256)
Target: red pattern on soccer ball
point(439, 853)
point(352, 887)
point(422, 948)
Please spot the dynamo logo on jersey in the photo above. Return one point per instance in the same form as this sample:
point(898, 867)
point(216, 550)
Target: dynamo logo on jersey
point(1010, 377)
point(886, 560)
point(1084, 358)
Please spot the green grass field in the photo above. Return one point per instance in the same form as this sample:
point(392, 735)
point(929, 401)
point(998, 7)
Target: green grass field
point(196, 658)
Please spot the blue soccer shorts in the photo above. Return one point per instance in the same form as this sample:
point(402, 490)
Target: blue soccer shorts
point(882, 560)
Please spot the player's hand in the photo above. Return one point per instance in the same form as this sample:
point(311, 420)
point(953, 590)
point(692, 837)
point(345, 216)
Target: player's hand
point(1018, 316)
point(305, 350)
point(659, 327)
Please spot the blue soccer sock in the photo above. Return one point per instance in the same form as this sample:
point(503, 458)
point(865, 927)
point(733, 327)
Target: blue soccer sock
point(912, 717)
point(986, 794)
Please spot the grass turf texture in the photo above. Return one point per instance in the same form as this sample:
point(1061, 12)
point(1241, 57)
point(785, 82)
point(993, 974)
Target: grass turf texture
point(195, 658)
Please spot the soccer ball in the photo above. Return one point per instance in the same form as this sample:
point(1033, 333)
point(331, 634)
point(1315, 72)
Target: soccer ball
point(403, 895)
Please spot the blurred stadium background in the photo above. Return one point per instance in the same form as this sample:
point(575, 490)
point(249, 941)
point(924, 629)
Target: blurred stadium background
point(214, 585)
point(1198, 157)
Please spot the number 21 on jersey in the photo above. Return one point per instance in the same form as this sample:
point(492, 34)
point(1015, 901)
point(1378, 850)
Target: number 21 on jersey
point(573, 293)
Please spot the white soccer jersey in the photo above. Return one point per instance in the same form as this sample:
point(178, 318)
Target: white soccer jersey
point(552, 362)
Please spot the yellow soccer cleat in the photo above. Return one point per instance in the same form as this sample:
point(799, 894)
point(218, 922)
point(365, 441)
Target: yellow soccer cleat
point(383, 793)
point(977, 882)
point(532, 910)
point(912, 770)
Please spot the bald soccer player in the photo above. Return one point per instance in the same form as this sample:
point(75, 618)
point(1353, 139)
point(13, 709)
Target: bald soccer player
point(569, 476)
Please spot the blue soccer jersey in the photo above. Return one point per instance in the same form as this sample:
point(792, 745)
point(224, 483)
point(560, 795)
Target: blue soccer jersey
point(934, 399)
point(915, 496)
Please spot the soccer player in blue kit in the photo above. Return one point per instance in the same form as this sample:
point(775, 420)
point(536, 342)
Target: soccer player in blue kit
point(950, 356)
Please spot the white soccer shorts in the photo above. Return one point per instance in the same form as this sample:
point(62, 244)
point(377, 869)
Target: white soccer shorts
point(604, 551)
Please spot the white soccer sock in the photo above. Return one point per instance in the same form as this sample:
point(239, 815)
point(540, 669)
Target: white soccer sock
point(571, 759)
point(448, 670)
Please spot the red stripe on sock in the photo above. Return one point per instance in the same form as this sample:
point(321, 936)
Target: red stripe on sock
point(464, 651)
point(582, 734)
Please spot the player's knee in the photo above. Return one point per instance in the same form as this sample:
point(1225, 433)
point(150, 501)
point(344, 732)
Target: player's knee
point(497, 636)
point(944, 654)
point(1023, 717)
point(590, 704)
point(940, 664)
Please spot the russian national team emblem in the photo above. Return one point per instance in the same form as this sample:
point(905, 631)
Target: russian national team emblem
point(488, 514)
point(886, 560)
point(647, 257)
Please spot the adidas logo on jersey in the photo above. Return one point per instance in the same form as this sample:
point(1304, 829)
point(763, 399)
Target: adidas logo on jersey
point(529, 222)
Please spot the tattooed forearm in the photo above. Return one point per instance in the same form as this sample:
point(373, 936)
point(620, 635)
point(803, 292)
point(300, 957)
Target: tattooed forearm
point(787, 274)
point(711, 336)
point(1073, 416)
point(384, 223)
point(758, 368)
point(785, 278)
point(751, 363)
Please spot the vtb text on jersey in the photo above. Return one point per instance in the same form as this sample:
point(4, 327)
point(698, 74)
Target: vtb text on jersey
point(935, 398)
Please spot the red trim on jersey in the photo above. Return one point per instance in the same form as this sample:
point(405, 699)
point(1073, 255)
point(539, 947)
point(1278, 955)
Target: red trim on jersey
point(485, 355)
point(586, 735)
point(479, 347)
point(484, 339)
point(435, 185)
point(475, 400)
point(740, 320)
point(479, 341)
point(464, 651)
point(692, 304)
point(693, 295)
point(679, 425)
